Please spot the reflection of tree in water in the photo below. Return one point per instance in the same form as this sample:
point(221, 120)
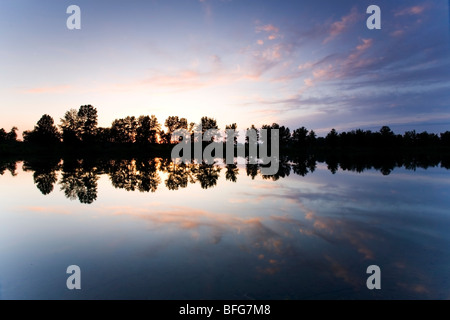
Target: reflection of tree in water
point(332, 164)
point(311, 164)
point(11, 166)
point(149, 178)
point(284, 169)
point(123, 174)
point(206, 174)
point(445, 163)
point(79, 181)
point(251, 169)
point(133, 175)
point(44, 181)
point(179, 175)
point(300, 167)
point(232, 172)
point(44, 175)
point(79, 177)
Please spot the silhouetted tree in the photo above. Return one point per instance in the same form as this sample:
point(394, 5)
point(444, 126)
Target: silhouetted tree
point(124, 130)
point(45, 132)
point(332, 138)
point(283, 132)
point(11, 136)
point(232, 126)
point(249, 140)
point(311, 138)
point(410, 138)
point(299, 137)
point(165, 137)
point(208, 124)
point(427, 139)
point(445, 138)
point(285, 136)
point(174, 123)
point(104, 135)
point(71, 127)
point(387, 137)
point(79, 125)
point(87, 116)
point(148, 129)
point(2, 135)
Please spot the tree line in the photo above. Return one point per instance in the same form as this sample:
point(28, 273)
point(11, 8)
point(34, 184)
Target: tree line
point(80, 127)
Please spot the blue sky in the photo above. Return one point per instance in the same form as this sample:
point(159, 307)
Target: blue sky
point(298, 63)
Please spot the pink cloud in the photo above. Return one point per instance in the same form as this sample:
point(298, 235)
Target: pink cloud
point(49, 209)
point(273, 53)
point(325, 73)
point(267, 28)
point(51, 89)
point(306, 65)
point(415, 10)
point(354, 58)
point(367, 43)
point(397, 33)
point(340, 26)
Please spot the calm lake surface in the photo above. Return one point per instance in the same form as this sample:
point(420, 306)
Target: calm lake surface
point(144, 230)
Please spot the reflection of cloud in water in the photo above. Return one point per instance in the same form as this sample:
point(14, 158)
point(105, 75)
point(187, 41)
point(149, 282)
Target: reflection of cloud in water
point(270, 240)
point(253, 234)
point(48, 209)
point(342, 272)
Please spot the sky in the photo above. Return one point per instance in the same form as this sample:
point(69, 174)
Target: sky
point(297, 63)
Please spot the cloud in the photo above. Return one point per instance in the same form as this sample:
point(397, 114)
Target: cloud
point(49, 210)
point(188, 78)
point(306, 65)
point(367, 43)
point(414, 10)
point(308, 82)
point(339, 27)
point(216, 61)
point(323, 73)
point(267, 28)
point(397, 33)
point(50, 89)
point(207, 9)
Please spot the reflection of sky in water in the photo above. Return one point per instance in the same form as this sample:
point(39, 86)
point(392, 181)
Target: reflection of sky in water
point(295, 238)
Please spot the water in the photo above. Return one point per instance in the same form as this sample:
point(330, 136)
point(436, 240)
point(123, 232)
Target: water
point(151, 230)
